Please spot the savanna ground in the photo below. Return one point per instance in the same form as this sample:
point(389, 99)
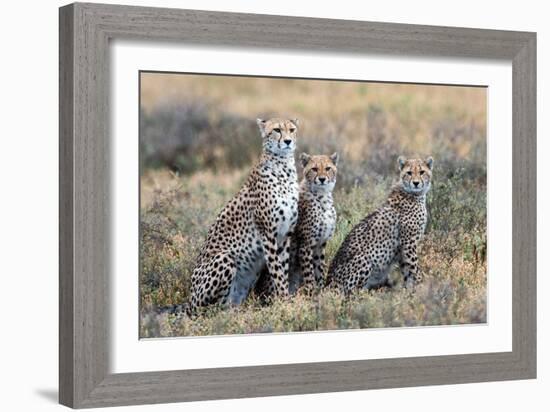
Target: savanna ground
point(199, 140)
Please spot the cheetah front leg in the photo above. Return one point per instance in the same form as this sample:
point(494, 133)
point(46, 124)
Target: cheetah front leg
point(276, 259)
point(408, 263)
point(285, 253)
point(320, 265)
point(307, 267)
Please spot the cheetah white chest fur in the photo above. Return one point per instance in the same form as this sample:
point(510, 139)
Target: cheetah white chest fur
point(329, 221)
point(286, 204)
point(288, 210)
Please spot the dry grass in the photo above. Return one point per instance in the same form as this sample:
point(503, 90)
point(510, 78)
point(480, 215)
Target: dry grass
point(370, 125)
point(187, 119)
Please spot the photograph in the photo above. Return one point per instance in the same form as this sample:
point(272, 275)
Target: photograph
point(282, 205)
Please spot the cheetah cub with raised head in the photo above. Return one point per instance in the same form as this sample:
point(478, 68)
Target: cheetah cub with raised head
point(316, 221)
point(253, 229)
point(389, 234)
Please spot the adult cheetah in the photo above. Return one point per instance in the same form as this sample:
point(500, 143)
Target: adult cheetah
point(389, 234)
point(252, 230)
point(316, 221)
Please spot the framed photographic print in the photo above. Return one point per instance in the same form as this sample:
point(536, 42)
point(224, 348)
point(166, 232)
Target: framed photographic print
point(256, 205)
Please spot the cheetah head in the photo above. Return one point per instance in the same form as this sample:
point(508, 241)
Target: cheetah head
point(415, 174)
point(279, 135)
point(320, 171)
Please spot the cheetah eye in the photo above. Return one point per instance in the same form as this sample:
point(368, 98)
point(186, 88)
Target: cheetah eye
point(292, 130)
point(277, 130)
point(422, 172)
point(315, 169)
point(409, 173)
point(327, 169)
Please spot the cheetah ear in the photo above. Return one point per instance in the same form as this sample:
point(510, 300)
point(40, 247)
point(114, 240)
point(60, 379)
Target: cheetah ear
point(305, 158)
point(261, 124)
point(334, 157)
point(430, 162)
point(296, 122)
point(401, 162)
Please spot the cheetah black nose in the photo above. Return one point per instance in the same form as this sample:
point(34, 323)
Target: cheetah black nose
point(322, 179)
point(416, 184)
point(288, 142)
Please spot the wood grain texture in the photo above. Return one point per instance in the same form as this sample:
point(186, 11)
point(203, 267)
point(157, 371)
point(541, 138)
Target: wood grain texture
point(66, 229)
point(524, 207)
point(85, 31)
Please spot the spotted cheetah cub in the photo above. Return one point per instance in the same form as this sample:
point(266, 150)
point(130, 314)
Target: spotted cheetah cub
point(316, 221)
point(389, 234)
point(253, 229)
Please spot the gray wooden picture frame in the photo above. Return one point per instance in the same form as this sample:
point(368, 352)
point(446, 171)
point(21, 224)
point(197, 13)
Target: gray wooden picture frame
point(85, 32)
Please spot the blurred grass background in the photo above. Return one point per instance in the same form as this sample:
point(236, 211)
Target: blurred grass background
point(199, 140)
